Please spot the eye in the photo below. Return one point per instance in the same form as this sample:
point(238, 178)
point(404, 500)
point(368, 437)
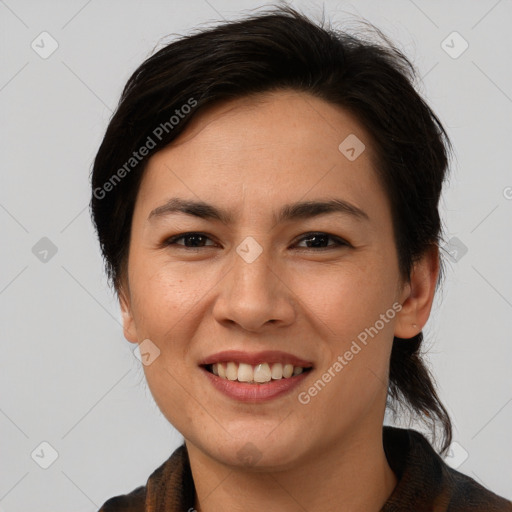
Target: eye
point(192, 240)
point(320, 241)
point(197, 240)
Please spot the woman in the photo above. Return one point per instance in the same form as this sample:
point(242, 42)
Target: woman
point(266, 200)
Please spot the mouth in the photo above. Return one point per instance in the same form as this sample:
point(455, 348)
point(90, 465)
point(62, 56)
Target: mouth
point(255, 377)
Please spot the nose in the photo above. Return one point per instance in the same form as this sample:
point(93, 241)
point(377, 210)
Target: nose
point(255, 294)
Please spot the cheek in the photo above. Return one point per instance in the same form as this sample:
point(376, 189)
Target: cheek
point(165, 297)
point(353, 307)
point(357, 317)
point(347, 299)
point(165, 304)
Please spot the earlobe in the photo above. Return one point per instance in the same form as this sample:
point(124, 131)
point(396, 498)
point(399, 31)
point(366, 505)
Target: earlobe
point(418, 295)
point(129, 330)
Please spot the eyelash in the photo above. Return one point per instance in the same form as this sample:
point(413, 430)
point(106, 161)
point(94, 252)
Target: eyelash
point(339, 242)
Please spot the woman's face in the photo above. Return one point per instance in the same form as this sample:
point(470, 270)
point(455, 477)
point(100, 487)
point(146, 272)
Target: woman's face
point(265, 282)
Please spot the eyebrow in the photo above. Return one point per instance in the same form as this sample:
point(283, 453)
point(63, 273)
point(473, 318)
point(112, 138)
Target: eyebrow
point(289, 212)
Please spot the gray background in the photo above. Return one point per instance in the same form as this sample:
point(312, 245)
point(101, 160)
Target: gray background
point(68, 377)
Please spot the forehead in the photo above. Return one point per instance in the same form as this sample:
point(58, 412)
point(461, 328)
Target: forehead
point(281, 146)
point(272, 119)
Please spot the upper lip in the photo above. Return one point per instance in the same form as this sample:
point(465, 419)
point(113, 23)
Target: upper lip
point(254, 358)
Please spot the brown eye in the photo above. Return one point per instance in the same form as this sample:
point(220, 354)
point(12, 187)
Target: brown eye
point(192, 240)
point(321, 241)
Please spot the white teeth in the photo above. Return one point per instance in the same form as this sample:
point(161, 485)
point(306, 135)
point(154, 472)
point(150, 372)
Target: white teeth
point(259, 373)
point(245, 373)
point(287, 370)
point(231, 371)
point(262, 373)
point(277, 371)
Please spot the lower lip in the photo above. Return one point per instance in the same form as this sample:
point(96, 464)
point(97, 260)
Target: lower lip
point(254, 393)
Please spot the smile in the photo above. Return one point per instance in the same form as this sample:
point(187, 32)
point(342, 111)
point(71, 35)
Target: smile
point(255, 377)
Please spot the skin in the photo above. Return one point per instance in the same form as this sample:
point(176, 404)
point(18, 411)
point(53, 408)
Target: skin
point(251, 156)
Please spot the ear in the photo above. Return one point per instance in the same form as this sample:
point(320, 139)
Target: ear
point(418, 295)
point(129, 330)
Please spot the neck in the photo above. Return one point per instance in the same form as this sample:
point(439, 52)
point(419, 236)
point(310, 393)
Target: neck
point(352, 476)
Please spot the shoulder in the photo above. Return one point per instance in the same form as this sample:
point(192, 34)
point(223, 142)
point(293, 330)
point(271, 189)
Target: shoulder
point(171, 480)
point(467, 495)
point(424, 478)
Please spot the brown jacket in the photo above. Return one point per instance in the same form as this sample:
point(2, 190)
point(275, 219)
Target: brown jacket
point(425, 483)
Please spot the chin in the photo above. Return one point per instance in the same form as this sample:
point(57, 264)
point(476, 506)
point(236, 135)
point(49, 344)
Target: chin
point(254, 449)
